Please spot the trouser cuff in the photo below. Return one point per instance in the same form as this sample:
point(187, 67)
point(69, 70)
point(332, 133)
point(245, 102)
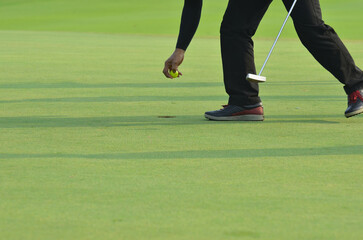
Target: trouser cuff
point(350, 89)
point(243, 101)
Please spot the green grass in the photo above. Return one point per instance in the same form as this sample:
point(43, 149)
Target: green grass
point(157, 16)
point(84, 155)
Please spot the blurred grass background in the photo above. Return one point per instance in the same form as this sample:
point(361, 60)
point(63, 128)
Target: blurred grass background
point(157, 16)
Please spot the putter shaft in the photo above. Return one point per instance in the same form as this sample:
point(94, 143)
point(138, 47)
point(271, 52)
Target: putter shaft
point(278, 36)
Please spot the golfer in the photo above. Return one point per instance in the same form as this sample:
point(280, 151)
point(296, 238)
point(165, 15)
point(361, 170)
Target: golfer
point(240, 23)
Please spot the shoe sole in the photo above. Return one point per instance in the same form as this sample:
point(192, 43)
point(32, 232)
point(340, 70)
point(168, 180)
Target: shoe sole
point(251, 117)
point(351, 114)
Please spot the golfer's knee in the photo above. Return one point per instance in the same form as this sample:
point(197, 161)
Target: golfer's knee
point(312, 33)
point(228, 30)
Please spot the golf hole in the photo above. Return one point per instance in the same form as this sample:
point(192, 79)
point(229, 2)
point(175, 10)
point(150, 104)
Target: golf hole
point(166, 116)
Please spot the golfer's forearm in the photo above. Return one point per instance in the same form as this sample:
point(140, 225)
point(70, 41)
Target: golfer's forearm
point(189, 23)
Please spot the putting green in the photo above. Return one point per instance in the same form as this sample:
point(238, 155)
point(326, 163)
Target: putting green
point(87, 153)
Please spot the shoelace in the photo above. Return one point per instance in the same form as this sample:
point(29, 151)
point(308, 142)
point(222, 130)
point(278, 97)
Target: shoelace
point(353, 97)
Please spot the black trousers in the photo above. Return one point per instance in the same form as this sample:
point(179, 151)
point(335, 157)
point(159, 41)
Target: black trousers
point(240, 23)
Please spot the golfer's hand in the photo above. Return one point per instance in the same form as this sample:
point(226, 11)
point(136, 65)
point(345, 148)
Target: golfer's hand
point(174, 62)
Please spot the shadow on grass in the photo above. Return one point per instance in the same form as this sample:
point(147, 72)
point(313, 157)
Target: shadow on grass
point(116, 99)
point(203, 154)
point(148, 121)
point(164, 84)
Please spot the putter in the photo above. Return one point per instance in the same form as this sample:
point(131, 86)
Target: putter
point(258, 78)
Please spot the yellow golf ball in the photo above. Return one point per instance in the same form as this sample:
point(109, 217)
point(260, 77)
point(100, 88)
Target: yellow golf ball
point(174, 74)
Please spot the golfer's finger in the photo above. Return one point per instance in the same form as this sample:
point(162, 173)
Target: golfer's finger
point(166, 71)
point(174, 67)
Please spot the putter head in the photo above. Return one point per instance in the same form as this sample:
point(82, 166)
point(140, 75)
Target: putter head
point(255, 78)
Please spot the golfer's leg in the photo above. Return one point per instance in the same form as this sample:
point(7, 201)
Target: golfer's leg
point(324, 44)
point(239, 24)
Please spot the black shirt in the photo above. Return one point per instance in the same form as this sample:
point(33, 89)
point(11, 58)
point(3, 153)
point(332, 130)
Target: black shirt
point(189, 22)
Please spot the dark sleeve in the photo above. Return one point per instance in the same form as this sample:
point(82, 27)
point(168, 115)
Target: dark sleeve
point(189, 22)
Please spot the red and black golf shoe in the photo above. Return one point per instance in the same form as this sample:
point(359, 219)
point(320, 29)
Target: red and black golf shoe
point(355, 103)
point(237, 113)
